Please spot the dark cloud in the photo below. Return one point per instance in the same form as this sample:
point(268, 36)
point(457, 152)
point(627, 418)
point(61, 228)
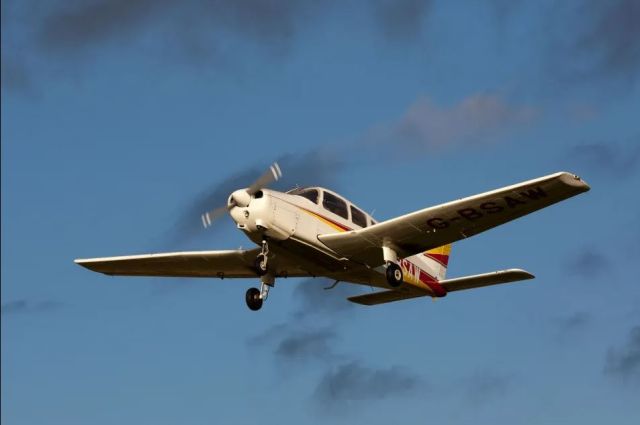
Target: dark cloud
point(304, 345)
point(354, 382)
point(592, 40)
point(24, 306)
point(312, 298)
point(311, 330)
point(318, 167)
point(589, 263)
point(610, 159)
point(401, 20)
point(612, 38)
point(624, 362)
point(486, 386)
point(85, 24)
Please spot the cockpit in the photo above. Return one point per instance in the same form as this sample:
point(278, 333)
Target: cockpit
point(335, 204)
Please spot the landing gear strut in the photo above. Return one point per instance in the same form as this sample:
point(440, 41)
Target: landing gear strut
point(394, 272)
point(261, 262)
point(255, 297)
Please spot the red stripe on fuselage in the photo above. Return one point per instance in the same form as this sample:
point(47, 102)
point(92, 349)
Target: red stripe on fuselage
point(433, 284)
point(335, 223)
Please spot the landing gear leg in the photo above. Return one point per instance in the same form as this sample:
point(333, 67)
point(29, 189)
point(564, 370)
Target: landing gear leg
point(255, 297)
point(261, 263)
point(394, 272)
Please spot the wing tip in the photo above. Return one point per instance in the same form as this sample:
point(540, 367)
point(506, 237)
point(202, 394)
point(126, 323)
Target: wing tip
point(523, 273)
point(574, 180)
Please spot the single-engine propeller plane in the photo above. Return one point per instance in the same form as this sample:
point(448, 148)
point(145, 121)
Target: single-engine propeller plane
point(312, 231)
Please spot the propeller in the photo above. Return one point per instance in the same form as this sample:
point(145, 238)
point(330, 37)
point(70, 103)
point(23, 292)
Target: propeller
point(242, 198)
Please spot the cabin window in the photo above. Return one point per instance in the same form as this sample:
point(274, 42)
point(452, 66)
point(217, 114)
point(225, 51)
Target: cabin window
point(373, 222)
point(358, 217)
point(335, 205)
point(311, 195)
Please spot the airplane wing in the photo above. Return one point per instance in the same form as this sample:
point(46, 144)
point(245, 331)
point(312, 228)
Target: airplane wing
point(443, 224)
point(222, 264)
point(451, 285)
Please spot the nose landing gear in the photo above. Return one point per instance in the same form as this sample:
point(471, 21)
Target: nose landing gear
point(255, 297)
point(261, 263)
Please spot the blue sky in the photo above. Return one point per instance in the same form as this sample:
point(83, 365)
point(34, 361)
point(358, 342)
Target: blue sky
point(120, 119)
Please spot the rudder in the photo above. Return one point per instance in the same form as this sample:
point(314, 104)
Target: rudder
point(440, 257)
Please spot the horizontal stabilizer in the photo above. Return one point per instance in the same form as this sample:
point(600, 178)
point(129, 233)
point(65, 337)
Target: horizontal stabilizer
point(451, 285)
point(485, 279)
point(383, 297)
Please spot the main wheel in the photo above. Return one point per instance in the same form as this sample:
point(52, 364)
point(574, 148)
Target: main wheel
point(254, 302)
point(260, 264)
point(394, 275)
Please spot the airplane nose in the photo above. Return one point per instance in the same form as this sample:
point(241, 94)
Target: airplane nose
point(240, 198)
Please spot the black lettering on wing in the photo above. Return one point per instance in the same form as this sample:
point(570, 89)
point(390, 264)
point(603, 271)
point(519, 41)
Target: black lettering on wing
point(534, 194)
point(491, 207)
point(470, 214)
point(511, 202)
point(437, 223)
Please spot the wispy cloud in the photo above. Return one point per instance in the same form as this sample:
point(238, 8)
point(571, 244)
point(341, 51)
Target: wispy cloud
point(401, 20)
point(479, 119)
point(486, 386)
point(354, 382)
point(609, 159)
point(624, 362)
point(313, 344)
point(611, 39)
point(23, 307)
point(573, 322)
point(567, 329)
point(588, 263)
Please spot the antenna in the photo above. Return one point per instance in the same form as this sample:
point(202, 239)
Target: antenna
point(373, 212)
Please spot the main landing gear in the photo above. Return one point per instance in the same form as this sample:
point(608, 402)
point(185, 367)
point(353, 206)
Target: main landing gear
point(255, 296)
point(394, 272)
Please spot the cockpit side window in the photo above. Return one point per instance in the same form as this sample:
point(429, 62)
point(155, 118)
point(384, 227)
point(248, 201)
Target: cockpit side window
point(310, 194)
point(335, 205)
point(358, 217)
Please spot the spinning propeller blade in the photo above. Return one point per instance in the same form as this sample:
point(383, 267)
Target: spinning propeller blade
point(272, 174)
point(211, 216)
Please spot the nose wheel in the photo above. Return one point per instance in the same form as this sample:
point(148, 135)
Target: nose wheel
point(254, 302)
point(255, 297)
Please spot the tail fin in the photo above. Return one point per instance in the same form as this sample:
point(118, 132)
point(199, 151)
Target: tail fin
point(440, 259)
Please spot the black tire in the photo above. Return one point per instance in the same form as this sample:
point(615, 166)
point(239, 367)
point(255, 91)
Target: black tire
point(261, 266)
point(253, 299)
point(394, 275)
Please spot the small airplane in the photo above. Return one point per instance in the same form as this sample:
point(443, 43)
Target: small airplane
point(312, 231)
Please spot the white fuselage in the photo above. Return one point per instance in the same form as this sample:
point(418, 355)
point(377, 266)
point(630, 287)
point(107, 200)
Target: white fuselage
point(292, 224)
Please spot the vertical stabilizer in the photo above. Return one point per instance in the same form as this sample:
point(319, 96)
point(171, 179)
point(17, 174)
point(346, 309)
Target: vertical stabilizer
point(439, 257)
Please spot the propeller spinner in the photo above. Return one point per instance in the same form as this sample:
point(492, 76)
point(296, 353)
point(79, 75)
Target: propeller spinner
point(242, 198)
